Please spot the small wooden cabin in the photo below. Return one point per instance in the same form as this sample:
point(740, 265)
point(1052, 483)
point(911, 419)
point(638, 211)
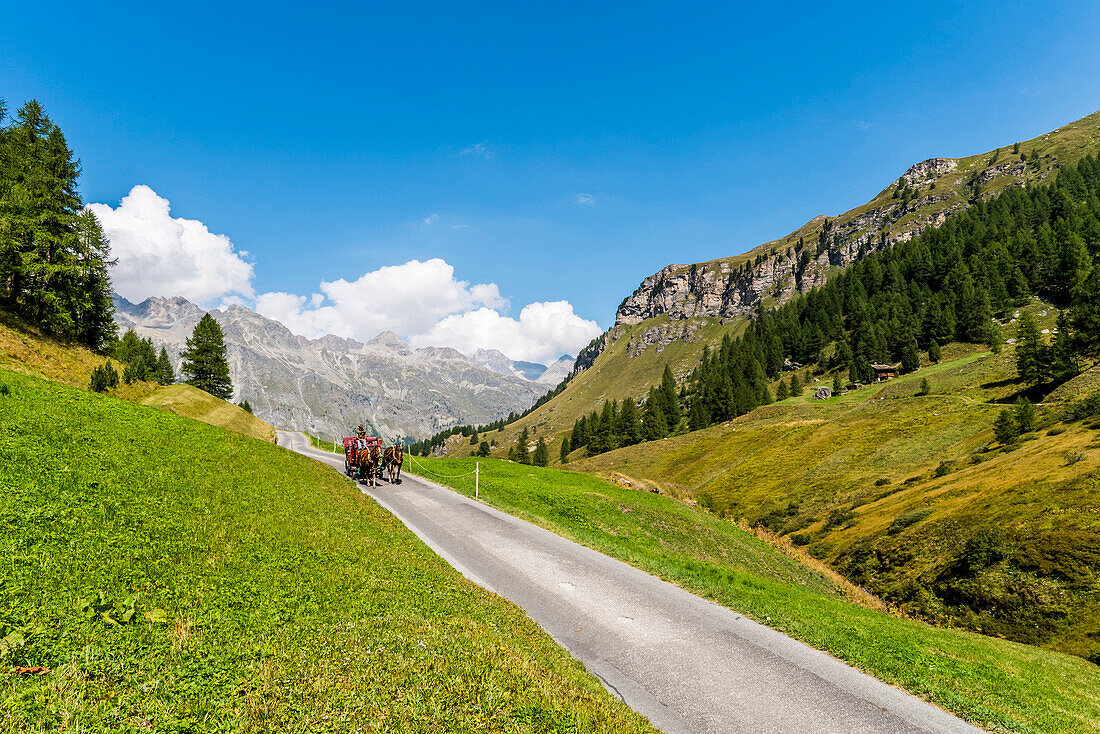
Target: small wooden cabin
point(884, 372)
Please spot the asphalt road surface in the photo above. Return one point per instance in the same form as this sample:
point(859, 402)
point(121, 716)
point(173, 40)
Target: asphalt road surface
point(685, 663)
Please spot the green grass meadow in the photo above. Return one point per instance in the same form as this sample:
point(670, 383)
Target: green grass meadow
point(171, 576)
point(1000, 685)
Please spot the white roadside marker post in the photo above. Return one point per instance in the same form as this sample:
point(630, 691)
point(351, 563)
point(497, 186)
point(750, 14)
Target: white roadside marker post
point(477, 477)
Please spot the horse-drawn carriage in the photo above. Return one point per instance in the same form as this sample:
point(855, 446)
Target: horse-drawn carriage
point(366, 461)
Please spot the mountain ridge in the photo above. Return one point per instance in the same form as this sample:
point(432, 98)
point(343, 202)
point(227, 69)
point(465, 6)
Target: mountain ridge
point(328, 384)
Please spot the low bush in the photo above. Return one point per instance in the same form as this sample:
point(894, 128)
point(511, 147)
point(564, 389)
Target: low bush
point(907, 518)
point(1073, 456)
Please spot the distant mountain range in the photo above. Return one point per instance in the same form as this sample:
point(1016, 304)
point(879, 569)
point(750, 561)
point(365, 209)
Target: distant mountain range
point(328, 385)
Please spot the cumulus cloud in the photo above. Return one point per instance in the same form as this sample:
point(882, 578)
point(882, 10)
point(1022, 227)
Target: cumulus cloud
point(585, 199)
point(162, 255)
point(542, 332)
point(424, 302)
point(399, 298)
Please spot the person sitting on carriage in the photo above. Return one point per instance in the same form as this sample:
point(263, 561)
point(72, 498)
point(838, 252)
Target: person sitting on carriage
point(360, 432)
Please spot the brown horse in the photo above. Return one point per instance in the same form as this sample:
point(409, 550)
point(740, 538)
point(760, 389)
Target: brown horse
point(392, 461)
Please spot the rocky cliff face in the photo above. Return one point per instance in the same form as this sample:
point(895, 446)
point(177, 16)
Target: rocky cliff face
point(329, 384)
point(771, 274)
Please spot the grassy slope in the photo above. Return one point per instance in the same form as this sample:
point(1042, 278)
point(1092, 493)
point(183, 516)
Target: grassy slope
point(1001, 685)
point(614, 375)
point(25, 349)
point(839, 473)
point(289, 600)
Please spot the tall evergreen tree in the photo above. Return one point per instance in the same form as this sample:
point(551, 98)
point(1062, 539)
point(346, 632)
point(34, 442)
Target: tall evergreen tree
point(53, 255)
point(783, 391)
point(204, 360)
point(628, 428)
point(566, 448)
point(542, 453)
point(165, 374)
point(1029, 350)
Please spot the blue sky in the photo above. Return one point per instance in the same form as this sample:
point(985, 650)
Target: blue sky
point(566, 150)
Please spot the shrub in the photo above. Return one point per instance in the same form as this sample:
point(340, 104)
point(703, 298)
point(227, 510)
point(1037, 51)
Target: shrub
point(838, 517)
point(1056, 431)
point(800, 539)
point(907, 518)
point(985, 548)
point(4, 389)
point(913, 480)
point(1084, 408)
point(882, 482)
point(1073, 456)
point(944, 469)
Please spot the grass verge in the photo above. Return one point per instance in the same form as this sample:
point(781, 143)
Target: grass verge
point(171, 576)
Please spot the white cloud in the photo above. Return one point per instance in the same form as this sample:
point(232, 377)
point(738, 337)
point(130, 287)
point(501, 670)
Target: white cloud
point(585, 199)
point(399, 298)
point(480, 150)
point(160, 255)
point(431, 219)
point(541, 334)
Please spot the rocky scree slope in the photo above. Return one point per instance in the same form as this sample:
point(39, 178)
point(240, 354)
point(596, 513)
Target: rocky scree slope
point(327, 385)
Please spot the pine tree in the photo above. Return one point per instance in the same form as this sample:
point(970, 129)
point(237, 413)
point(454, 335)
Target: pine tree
point(245, 406)
point(838, 384)
point(111, 374)
point(925, 387)
point(1005, 428)
point(796, 386)
point(519, 452)
point(628, 430)
point(934, 353)
point(542, 454)
point(204, 360)
point(566, 448)
point(654, 425)
point(782, 392)
point(483, 449)
point(53, 255)
point(1029, 350)
point(669, 401)
point(910, 358)
point(165, 375)
point(1024, 415)
point(473, 438)
point(136, 370)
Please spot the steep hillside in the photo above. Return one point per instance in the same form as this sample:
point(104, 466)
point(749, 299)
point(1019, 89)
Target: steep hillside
point(27, 350)
point(911, 496)
point(170, 576)
point(325, 386)
point(676, 312)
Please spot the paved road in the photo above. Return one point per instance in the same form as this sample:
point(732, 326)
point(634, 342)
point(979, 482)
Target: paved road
point(685, 663)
